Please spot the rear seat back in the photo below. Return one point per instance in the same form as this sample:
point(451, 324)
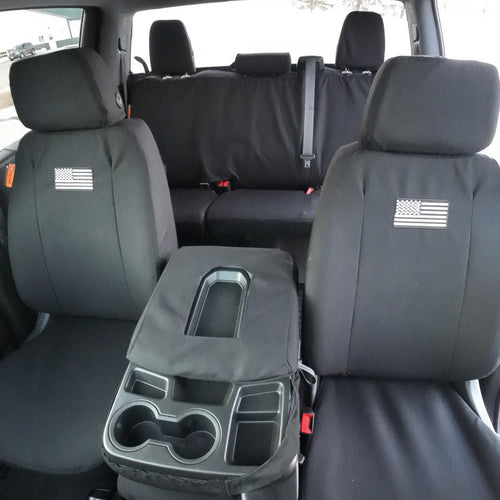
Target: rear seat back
point(241, 125)
point(341, 92)
point(245, 125)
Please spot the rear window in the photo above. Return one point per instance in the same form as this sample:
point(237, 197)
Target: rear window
point(470, 31)
point(28, 33)
point(218, 31)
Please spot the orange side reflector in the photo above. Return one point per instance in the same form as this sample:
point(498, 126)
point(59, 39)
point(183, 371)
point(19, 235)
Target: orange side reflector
point(9, 179)
point(129, 111)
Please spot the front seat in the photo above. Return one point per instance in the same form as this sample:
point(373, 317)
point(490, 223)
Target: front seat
point(90, 228)
point(402, 294)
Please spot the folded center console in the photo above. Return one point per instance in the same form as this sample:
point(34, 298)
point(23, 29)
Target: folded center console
point(209, 401)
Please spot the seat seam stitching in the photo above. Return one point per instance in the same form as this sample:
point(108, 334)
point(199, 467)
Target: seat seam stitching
point(41, 242)
point(116, 226)
point(460, 317)
point(349, 343)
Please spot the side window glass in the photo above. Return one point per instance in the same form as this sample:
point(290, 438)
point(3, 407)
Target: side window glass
point(29, 33)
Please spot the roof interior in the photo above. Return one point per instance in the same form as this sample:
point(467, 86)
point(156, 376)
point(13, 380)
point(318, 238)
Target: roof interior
point(123, 6)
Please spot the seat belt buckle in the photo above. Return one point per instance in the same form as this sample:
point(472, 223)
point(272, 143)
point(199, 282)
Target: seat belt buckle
point(222, 187)
point(307, 159)
point(307, 422)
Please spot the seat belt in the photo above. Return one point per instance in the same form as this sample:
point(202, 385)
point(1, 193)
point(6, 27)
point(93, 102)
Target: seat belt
point(473, 390)
point(309, 87)
point(123, 74)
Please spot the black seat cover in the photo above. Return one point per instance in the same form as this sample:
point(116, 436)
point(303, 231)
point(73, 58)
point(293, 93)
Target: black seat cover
point(402, 291)
point(362, 42)
point(170, 49)
point(90, 228)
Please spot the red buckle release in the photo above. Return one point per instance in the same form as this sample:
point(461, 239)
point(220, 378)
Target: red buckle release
point(310, 191)
point(307, 423)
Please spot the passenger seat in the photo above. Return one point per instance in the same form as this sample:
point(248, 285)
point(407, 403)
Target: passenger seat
point(90, 229)
point(401, 313)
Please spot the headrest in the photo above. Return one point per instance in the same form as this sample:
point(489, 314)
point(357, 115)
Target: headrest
point(66, 90)
point(362, 42)
point(420, 104)
point(170, 49)
point(272, 64)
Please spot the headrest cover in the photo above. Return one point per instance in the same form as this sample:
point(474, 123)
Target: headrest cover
point(66, 90)
point(263, 64)
point(170, 49)
point(420, 104)
point(362, 42)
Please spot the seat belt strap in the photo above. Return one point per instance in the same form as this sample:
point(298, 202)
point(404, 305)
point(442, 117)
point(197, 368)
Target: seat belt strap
point(309, 87)
point(476, 400)
point(123, 73)
point(311, 379)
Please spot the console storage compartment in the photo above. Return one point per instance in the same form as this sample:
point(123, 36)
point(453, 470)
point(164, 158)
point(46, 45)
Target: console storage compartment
point(209, 401)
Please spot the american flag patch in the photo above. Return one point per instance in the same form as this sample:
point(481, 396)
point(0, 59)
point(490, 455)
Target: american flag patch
point(426, 214)
point(73, 179)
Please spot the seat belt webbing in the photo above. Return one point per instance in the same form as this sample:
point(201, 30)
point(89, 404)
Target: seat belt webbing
point(123, 73)
point(307, 154)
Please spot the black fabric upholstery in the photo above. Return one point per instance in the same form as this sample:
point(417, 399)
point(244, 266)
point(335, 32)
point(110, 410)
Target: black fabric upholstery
point(190, 211)
point(219, 133)
point(266, 343)
point(362, 42)
point(78, 252)
point(23, 484)
point(340, 101)
point(258, 211)
point(265, 218)
point(95, 253)
point(170, 49)
point(56, 392)
point(263, 64)
point(376, 439)
point(399, 302)
point(90, 253)
point(245, 126)
point(406, 302)
point(65, 90)
point(431, 105)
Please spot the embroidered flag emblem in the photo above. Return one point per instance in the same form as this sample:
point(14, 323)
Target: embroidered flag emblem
point(426, 214)
point(73, 179)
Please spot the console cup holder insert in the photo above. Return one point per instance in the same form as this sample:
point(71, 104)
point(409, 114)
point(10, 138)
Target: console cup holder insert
point(190, 438)
point(219, 305)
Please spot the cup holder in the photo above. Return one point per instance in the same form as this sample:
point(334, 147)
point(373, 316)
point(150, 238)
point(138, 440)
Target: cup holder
point(191, 437)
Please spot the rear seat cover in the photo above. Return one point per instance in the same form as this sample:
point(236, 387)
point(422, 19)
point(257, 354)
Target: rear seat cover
point(170, 50)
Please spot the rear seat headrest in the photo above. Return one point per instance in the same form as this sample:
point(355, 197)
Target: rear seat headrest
point(170, 49)
point(362, 42)
point(420, 104)
point(263, 64)
point(66, 90)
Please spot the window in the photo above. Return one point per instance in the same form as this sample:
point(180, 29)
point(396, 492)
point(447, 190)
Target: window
point(470, 32)
point(27, 33)
point(218, 31)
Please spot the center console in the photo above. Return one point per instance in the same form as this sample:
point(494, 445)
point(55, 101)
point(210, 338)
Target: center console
point(209, 401)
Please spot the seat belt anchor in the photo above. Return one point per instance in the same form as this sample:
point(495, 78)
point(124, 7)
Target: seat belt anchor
point(307, 159)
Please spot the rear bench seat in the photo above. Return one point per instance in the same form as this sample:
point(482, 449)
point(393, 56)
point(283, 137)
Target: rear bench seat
point(245, 126)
